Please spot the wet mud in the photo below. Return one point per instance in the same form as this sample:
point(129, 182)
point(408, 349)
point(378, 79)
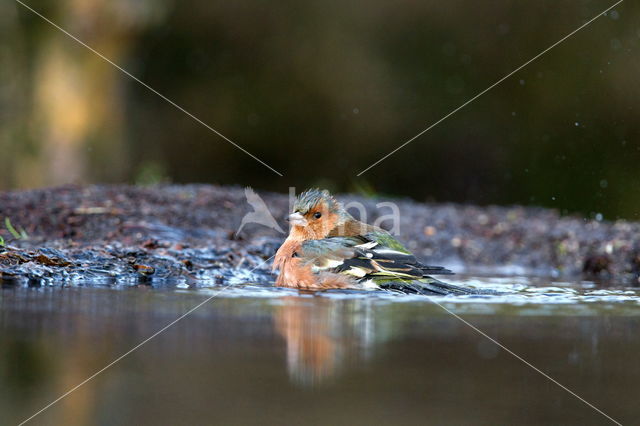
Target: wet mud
point(186, 234)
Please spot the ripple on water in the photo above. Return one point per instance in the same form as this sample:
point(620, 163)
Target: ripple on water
point(517, 296)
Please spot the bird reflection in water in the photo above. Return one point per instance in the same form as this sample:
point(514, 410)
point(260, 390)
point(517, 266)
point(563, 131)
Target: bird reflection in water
point(323, 336)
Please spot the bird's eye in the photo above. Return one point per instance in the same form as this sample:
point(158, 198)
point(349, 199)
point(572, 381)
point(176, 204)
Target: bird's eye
point(317, 215)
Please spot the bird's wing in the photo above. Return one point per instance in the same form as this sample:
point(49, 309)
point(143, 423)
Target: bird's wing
point(366, 259)
point(361, 257)
point(328, 253)
point(387, 242)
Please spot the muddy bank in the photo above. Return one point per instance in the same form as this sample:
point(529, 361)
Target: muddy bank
point(186, 234)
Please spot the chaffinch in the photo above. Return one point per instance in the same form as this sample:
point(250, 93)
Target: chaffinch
point(328, 248)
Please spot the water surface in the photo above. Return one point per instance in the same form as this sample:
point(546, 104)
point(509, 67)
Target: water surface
point(256, 355)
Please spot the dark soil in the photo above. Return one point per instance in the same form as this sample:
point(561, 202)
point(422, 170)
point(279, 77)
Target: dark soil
point(186, 234)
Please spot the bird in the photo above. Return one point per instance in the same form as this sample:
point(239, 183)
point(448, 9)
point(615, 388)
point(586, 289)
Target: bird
point(327, 248)
point(260, 213)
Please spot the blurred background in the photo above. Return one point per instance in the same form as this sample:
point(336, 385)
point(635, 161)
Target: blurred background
point(320, 90)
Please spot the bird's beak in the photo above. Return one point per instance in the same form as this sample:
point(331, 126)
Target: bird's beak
point(296, 219)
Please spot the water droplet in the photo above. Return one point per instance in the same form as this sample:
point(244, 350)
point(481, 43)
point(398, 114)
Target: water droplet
point(356, 110)
point(614, 15)
point(553, 198)
point(604, 183)
point(576, 124)
point(599, 217)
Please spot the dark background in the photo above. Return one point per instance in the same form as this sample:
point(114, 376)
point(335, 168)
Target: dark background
point(319, 90)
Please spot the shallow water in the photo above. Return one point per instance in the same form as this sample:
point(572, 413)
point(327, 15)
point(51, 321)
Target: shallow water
point(257, 355)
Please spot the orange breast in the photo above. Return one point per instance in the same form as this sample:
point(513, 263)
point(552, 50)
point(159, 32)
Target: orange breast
point(294, 274)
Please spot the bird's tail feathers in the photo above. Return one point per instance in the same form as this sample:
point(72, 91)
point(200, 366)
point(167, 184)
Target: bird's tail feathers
point(427, 286)
point(436, 270)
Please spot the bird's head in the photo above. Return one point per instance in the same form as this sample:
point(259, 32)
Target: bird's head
point(315, 214)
